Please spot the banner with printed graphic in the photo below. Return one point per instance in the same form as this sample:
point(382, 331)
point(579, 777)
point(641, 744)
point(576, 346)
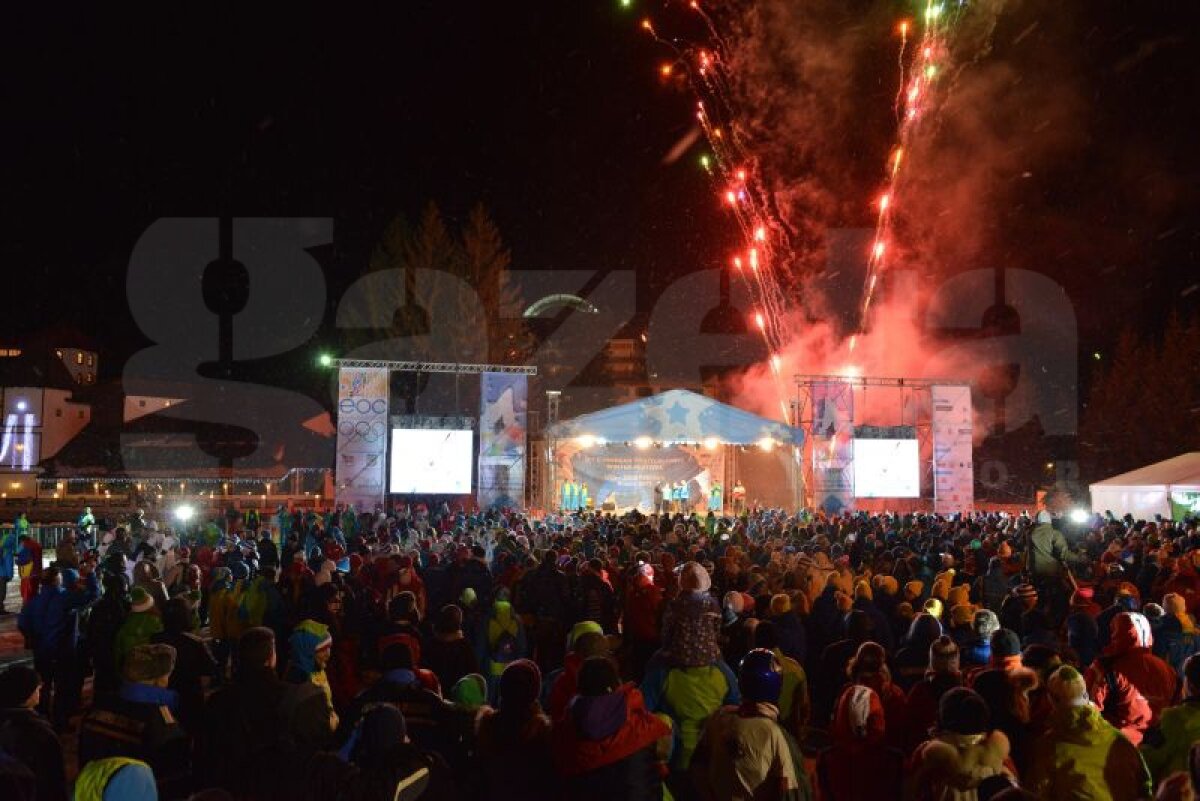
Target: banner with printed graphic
point(953, 443)
point(503, 414)
point(620, 477)
point(833, 445)
point(362, 435)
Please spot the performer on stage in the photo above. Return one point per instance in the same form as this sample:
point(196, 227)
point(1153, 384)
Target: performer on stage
point(739, 497)
point(658, 498)
point(715, 497)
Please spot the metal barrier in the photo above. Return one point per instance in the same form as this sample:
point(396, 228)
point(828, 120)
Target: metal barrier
point(48, 535)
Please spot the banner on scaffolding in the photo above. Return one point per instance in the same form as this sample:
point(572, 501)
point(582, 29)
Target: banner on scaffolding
point(503, 413)
point(953, 441)
point(362, 435)
point(833, 445)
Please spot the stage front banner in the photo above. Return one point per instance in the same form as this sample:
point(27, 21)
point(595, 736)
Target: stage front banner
point(623, 477)
point(953, 443)
point(362, 436)
point(833, 445)
point(503, 414)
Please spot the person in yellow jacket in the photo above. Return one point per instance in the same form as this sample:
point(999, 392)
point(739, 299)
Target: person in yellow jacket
point(116, 779)
point(225, 624)
point(1081, 756)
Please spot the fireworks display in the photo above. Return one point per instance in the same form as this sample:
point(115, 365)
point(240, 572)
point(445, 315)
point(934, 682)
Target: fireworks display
point(769, 252)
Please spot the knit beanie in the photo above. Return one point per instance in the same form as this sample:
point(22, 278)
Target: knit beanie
point(1066, 687)
point(934, 607)
point(961, 615)
point(581, 628)
point(17, 683)
point(1005, 642)
point(985, 622)
point(470, 692)
point(959, 595)
point(943, 655)
point(863, 590)
point(734, 602)
point(781, 604)
point(913, 590)
point(886, 585)
point(963, 711)
point(694, 578)
point(140, 600)
point(520, 684)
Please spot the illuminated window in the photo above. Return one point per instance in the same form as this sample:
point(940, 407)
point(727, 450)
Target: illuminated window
point(91, 360)
point(79, 357)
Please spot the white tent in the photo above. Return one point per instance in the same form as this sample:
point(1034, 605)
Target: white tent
point(1169, 488)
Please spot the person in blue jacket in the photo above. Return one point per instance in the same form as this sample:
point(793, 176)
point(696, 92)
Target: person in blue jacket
point(8, 557)
point(50, 625)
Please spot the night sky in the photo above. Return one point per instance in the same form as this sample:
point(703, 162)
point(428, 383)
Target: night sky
point(550, 113)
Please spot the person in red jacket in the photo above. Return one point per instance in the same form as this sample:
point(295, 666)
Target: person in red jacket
point(869, 668)
point(1128, 654)
point(643, 613)
point(605, 743)
point(859, 738)
point(1185, 581)
point(587, 641)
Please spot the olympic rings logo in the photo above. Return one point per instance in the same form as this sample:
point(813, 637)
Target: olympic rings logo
point(351, 431)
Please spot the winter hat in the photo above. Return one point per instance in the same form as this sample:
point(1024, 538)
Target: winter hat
point(913, 590)
point(694, 578)
point(116, 779)
point(1173, 604)
point(17, 683)
point(781, 604)
point(1066, 687)
point(1154, 612)
point(959, 595)
point(859, 714)
point(963, 711)
point(1005, 642)
point(943, 655)
point(468, 598)
point(1005, 550)
point(469, 692)
point(1026, 592)
point(844, 602)
point(934, 607)
point(240, 571)
point(70, 576)
point(140, 600)
point(646, 571)
point(308, 638)
point(1044, 517)
point(985, 623)
point(581, 628)
point(886, 584)
point(961, 615)
point(520, 685)
point(862, 590)
point(449, 620)
point(149, 662)
point(868, 661)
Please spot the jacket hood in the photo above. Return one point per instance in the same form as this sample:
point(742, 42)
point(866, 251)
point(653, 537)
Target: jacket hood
point(306, 640)
point(1129, 630)
point(859, 717)
point(599, 717)
point(965, 760)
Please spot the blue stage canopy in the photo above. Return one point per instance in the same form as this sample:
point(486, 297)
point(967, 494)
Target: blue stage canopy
point(677, 416)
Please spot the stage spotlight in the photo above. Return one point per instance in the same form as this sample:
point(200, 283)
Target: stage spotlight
point(184, 513)
point(642, 443)
point(1080, 516)
point(767, 444)
point(712, 443)
point(586, 441)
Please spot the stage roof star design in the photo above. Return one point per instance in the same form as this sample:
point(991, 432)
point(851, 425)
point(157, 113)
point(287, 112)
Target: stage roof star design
point(677, 416)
